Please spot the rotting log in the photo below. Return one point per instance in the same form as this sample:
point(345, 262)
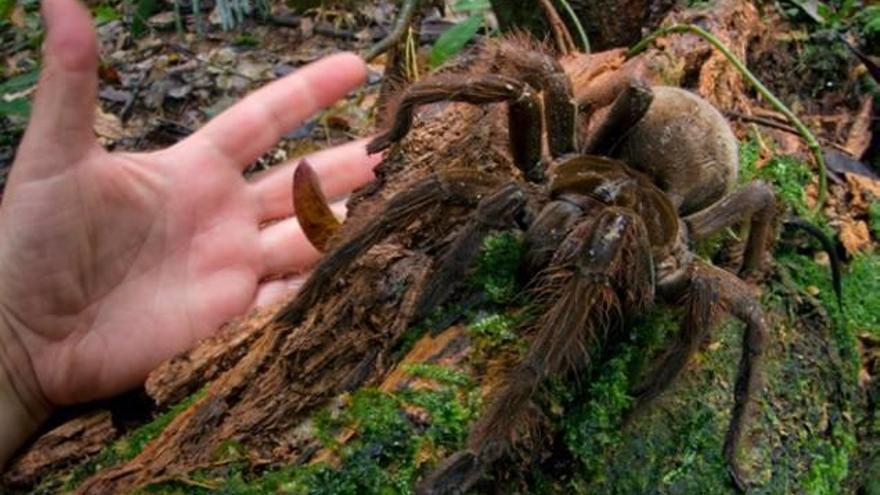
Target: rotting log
point(265, 379)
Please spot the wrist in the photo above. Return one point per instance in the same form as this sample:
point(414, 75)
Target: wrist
point(23, 408)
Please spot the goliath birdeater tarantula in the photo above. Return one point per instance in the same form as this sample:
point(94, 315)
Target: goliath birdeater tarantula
point(608, 218)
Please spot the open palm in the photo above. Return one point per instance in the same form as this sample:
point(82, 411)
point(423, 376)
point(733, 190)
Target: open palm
point(113, 262)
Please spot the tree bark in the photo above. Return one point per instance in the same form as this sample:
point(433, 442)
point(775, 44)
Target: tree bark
point(266, 378)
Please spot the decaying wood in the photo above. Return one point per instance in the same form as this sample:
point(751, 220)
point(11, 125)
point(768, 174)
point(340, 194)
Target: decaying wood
point(267, 376)
point(286, 374)
point(65, 445)
point(182, 376)
point(449, 348)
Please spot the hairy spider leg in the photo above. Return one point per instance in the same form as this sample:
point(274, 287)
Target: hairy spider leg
point(524, 109)
point(756, 202)
point(701, 312)
point(737, 297)
point(496, 211)
point(585, 299)
point(517, 70)
point(711, 291)
point(452, 186)
point(627, 109)
point(545, 234)
point(524, 59)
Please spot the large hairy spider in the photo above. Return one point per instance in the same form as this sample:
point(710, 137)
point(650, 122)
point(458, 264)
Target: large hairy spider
point(603, 236)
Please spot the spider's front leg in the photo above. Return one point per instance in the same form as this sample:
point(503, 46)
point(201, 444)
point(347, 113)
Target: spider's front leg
point(709, 292)
point(496, 203)
point(524, 112)
point(496, 211)
point(601, 271)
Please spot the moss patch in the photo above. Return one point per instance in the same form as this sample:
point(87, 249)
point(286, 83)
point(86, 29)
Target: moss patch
point(497, 266)
point(396, 438)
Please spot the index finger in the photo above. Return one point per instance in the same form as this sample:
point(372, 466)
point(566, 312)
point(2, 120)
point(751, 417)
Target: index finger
point(248, 129)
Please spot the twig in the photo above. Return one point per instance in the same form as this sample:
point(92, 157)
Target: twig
point(564, 41)
point(178, 18)
point(404, 19)
point(411, 56)
point(759, 86)
point(125, 113)
point(577, 24)
point(763, 121)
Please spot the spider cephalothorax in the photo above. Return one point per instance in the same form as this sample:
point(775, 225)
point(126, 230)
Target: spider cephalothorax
point(603, 235)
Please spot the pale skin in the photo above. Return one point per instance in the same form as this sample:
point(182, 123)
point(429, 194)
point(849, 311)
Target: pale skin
point(111, 263)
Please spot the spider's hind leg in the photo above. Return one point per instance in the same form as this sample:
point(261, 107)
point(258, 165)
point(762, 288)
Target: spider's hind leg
point(712, 290)
point(601, 271)
point(754, 202)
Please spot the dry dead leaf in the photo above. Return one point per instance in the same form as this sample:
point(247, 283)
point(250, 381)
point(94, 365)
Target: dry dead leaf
point(108, 127)
point(854, 235)
point(860, 132)
point(863, 190)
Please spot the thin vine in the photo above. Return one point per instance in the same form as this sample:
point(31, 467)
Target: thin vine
point(577, 24)
point(802, 129)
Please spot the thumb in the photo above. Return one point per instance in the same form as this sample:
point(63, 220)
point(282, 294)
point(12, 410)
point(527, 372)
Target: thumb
point(64, 105)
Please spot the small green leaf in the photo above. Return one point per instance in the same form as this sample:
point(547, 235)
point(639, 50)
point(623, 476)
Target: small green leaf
point(454, 39)
point(18, 106)
point(20, 82)
point(464, 5)
point(104, 14)
point(143, 11)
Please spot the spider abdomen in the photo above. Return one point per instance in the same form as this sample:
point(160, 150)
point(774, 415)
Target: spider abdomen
point(686, 146)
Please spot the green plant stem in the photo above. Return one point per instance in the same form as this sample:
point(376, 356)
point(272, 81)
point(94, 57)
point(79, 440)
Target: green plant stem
point(178, 18)
point(577, 24)
point(802, 129)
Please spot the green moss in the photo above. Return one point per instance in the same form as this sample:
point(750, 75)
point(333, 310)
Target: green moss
point(439, 374)
point(385, 456)
point(132, 444)
point(862, 294)
point(596, 427)
point(382, 457)
point(830, 463)
point(495, 330)
point(749, 153)
point(861, 290)
point(790, 177)
point(593, 427)
point(497, 267)
point(874, 217)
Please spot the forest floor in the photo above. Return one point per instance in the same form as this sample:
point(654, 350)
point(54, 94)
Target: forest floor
point(814, 429)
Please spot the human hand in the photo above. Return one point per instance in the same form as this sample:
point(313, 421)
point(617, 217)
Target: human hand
point(113, 262)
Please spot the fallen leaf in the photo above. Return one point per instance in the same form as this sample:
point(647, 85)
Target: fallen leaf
point(854, 235)
point(108, 126)
point(860, 132)
point(863, 190)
